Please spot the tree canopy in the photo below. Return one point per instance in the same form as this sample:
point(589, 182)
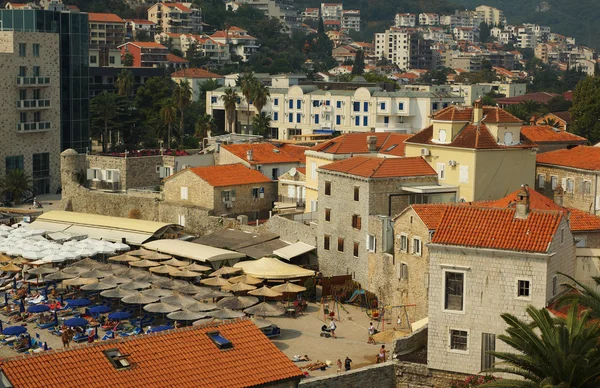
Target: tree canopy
point(586, 109)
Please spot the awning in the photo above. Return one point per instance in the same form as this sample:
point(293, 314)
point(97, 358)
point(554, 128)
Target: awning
point(323, 131)
point(430, 189)
point(114, 235)
point(192, 251)
point(49, 226)
point(272, 268)
point(293, 250)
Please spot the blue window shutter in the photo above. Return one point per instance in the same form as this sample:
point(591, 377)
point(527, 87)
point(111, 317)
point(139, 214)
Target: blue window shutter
point(291, 117)
point(366, 106)
point(366, 121)
point(298, 117)
point(291, 104)
point(338, 104)
point(275, 116)
point(338, 119)
point(316, 119)
point(357, 106)
point(357, 121)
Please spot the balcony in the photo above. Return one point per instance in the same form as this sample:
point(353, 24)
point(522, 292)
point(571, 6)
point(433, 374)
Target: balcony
point(26, 82)
point(33, 104)
point(35, 126)
point(393, 127)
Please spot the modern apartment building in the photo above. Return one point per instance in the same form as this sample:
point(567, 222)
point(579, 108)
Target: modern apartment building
point(350, 20)
point(405, 20)
point(492, 16)
point(429, 19)
point(106, 30)
point(176, 17)
point(408, 50)
point(331, 11)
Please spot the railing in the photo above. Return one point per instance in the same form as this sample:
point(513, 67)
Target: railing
point(285, 199)
point(34, 126)
point(33, 81)
point(33, 104)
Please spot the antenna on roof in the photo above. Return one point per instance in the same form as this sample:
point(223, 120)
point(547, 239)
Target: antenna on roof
point(479, 122)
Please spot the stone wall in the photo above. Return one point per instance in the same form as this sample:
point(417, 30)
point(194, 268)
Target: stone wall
point(378, 375)
point(414, 341)
point(291, 231)
point(199, 192)
point(578, 199)
point(140, 171)
point(412, 375)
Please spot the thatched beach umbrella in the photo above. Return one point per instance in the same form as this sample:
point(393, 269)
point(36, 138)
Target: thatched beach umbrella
point(100, 286)
point(178, 299)
point(163, 269)
point(126, 258)
point(239, 287)
point(266, 292)
point(117, 293)
point(201, 306)
point(265, 309)
point(115, 279)
point(176, 263)
point(156, 256)
point(79, 281)
point(144, 263)
point(161, 307)
point(215, 282)
point(226, 271)
point(197, 267)
point(140, 252)
point(247, 279)
point(186, 315)
point(208, 293)
point(157, 292)
point(237, 302)
point(139, 298)
point(288, 287)
point(226, 314)
point(135, 285)
point(184, 274)
point(189, 289)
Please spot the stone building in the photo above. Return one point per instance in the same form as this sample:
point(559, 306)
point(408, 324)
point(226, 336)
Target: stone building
point(271, 160)
point(576, 170)
point(230, 190)
point(291, 187)
point(31, 106)
point(504, 262)
point(352, 190)
point(551, 139)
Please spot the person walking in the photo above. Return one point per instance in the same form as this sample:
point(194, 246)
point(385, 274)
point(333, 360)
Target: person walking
point(371, 333)
point(348, 363)
point(381, 357)
point(332, 327)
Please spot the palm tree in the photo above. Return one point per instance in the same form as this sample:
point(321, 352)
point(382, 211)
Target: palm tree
point(260, 94)
point(125, 83)
point(261, 123)
point(16, 185)
point(229, 98)
point(550, 352)
point(204, 124)
point(248, 84)
point(105, 106)
point(582, 295)
point(551, 122)
point(182, 97)
point(168, 115)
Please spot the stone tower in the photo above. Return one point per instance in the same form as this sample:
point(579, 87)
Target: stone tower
point(70, 168)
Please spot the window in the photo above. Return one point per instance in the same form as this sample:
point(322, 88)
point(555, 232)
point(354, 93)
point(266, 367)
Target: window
point(299, 104)
point(37, 94)
point(356, 221)
point(570, 185)
point(488, 344)
point(184, 193)
point(226, 196)
point(355, 249)
point(23, 94)
point(416, 246)
point(382, 106)
point(554, 182)
point(442, 136)
point(541, 181)
point(371, 240)
point(181, 220)
point(587, 187)
point(327, 102)
point(22, 49)
point(403, 275)
point(454, 290)
point(313, 170)
point(365, 121)
point(93, 59)
point(403, 243)
point(386, 119)
point(357, 121)
point(459, 340)
point(338, 104)
point(316, 119)
point(400, 106)
point(508, 138)
point(13, 163)
point(298, 117)
point(291, 117)
point(441, 170)
point(111, 59)
point(328, 215)
point(218, 339)
point(118, 360)
point(356, 107)
point(41, 173)
point(365, 106)
point(36, 50)
point(338, 119)
point(22, 71)
point(356, 193)
point(523, 288)
point(36, 71)
point(340, 244)
point(275, 174)
point(291, 104)
point(276, 101)
point(326, 239)
point(275, 116)
point(327, 188)
point(434, 106)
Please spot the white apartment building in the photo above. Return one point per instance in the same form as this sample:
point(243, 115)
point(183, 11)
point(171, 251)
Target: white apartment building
point(429, 19)
point(470, 34)
point(286, 14)
point(176, 17)
point(239, 41)
point(106, 29)
point(136, 25)
point(302, 109)
point(203, 44)
point(492, 16)
point(462, 19)
point(526, 38)
point(350, 20)
point(437, 34)
point(405, 20)
point(332, 11)
point(310, 14)
point(405, 49)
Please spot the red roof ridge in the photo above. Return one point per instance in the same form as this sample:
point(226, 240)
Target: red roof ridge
point(226, 175)
point(375, 167)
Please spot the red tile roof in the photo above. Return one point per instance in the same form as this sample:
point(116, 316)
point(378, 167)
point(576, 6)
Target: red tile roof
point(372, 167)
point(228, 175)
point(295, 151)
point(301, 170)
point(179, 6)
point(195, 73)
point(547, 134)
point(582, 157)
point(140, 21)
point(356, 143)
point(105, 18)
point(482, 227)
point(183, 358)
point(565, 116)
point(541, 97)
point(175, 59)
point(430, 214)
point(263, 153)
point(582, 221)
point(492, 114)
point(146, 45)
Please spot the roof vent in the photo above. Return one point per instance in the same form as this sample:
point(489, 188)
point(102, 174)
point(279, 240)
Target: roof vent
point(118, 359)
point(221, 342)
point(276, 150)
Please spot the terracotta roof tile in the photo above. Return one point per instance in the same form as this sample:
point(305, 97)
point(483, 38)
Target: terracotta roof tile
point(175, 59)
point(295, 151)
point(492, 114)
point(140, 21)
point(547, 134)
point(356, 143)
point(183, 358)
point(105, 17)
point(264, 153)
point(179, 6)
point(541, 97)
point(582, 157)
point(146, 45)
point(195, 73)
point(372, 167)
point(228, 175)
point(493, 228)
point(582, 221)
point(301, 170)
point(430, 214)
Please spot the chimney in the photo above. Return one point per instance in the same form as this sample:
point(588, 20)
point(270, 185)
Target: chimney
point(477, 111)
point(249, 155)
point(372, 143)
point(522, 203)
point(559, 194)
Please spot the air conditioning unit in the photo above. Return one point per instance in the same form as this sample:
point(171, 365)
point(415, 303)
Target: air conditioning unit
point(425, 152)
point(228, 204)
point(452, 163)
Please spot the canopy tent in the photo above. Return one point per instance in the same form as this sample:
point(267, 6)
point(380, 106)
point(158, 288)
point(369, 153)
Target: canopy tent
point(293, 250)
point(193, 251)
point(272, 268)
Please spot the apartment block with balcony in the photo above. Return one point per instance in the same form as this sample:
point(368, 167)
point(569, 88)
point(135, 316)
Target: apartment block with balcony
point(30, 107)
point(176, 17)
point(350, 20)
point(106, 30)
point(238, 41)
point(332, 11)
point(429, 19)
point(146, 54)
point(405, 49)
point(405, 20)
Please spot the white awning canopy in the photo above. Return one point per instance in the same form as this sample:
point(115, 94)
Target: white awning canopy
point(430, 189)
point(293, 250)
point(193, 251)
point(272, 268)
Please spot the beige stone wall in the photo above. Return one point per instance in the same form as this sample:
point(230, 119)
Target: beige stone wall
point(28, 143)
point(200, 193)
point(245, 203)
point(134, 172)
point(226, 157)
point(578, 199)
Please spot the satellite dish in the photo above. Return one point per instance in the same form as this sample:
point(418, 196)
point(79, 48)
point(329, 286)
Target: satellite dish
point(293, 171)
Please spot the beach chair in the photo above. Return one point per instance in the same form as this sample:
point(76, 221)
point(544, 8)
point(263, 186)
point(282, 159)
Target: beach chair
point(37, 300)
point(143, 319)
point(135, 331)
point(274, 332)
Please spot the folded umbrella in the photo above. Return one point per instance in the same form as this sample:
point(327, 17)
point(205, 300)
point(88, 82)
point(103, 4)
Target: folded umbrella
point(265, 309)
point(237, 302)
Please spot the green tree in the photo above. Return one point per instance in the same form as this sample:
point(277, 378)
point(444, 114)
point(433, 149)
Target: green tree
point(149, 100)
point(125, 83)
point(248, 85)
point(359, 63)
point(168, 115)
point(182, 97)
point(260, 94)
point(105, 106)
point(261, 124)
point(582, 295)
point(143, 36)
point(519, 111)
point(484, 32)
point(550, 352)
point(558, 104)
point(128, 59)
point(586, 109)
point(229, 98)
point(321, 26)
point(550, 122)
point(16, 185)
point(204, 124)
point(488, 100)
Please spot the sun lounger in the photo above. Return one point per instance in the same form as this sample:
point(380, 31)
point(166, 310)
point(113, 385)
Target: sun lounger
point(135, 331)
point(273, 333)
point(38, 300)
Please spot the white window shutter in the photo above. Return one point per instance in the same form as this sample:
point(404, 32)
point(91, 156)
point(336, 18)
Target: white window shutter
point(184, 193)
point(232, 195)
point(597, 202)
point(116, 176)
point(261, 193)
point(103, 175)
point(399, 270)
point(564, 183)
point(90, 174)
point(464, 174)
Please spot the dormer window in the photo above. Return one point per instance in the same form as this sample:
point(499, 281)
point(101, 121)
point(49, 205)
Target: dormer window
point(442, 137)
point(117, 359)
point(221, 342)
point(508, 138)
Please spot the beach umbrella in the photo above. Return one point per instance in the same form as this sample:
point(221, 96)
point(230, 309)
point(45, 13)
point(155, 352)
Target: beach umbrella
point(146, 277)
point(89, 263)
point(171, 284)
point(20, 261)
point(75, 270)
point(105, 249)
point(135, 285)
point(184, 274)
point(79, 281)
point(79, 302)
point(189, 289)
point(163, 269)
point(82, 252)
point(126, 258)
point(208, 293)
point(388, 336)
point(265, 309)
point(38, 308)
point(161, 307)
point(42, 270)
point(266, 292)
point(226, 271)
point(186, 315)
point(202, 322)
point(179, 300)
point(39, 262)
point(4, 259)
point(119, 315)
point(119, 246)
point(10, 268)
point(144, 263)
point(226, 314)
point(139, 298)
point(95, 273)
point(14, 330)
point(14, 251)
point(140, 252)
point(100, 309)
point(76, 322)
point(129, 272)
point(200, 306)
point(100, 286)
point(237, 302)
point(215, 282)
point(239, 287)
point(157, 329)
point(156, 256)
point(115, 279)
point(176, 263)
point(261, 323)
point(247, 279)
point(157, 292)
point(55, 258)
point(60, 275)
point(33, 255)
point(289, 288)
point(196, 267)
point(117, 293)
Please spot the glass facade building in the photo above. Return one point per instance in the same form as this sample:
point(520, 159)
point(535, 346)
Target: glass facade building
point(72, 28)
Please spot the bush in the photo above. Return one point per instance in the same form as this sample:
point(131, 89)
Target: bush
point(135, 214)
point(473, 381)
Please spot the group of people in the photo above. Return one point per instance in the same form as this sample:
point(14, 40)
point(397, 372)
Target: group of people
point(347, 364)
